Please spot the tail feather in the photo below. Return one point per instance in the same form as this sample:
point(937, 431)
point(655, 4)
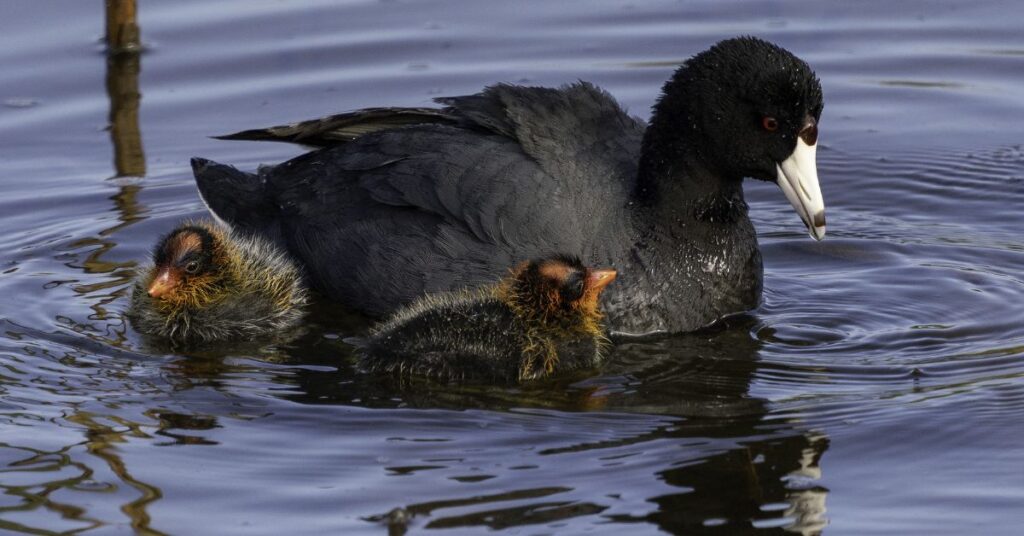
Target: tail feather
point(234, 197)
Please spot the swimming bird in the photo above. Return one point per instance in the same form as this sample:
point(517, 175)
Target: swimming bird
point(541, 319)
point(402, 201)
point(206, 283)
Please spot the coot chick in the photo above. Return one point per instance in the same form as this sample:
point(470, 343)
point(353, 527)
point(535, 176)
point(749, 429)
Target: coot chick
point(207, 283)
point(402, 201)
point(540, 319)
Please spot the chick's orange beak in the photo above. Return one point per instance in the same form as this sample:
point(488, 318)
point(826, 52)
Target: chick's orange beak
point(163, 283)
point(598, 279)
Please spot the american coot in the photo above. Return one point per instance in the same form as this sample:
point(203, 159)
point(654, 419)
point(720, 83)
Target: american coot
point(209, 284)
point(401, 201)
point(541, 318)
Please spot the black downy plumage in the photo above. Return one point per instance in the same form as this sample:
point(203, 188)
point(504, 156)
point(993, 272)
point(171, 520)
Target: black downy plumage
point(403, 201)
point(207, 283)
point(541, 319)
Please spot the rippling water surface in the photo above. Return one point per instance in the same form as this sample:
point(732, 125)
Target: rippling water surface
point(879, 389)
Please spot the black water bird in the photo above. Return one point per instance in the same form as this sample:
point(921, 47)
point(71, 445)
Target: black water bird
point(206, 283)
point(541, 319)
point(402, 201)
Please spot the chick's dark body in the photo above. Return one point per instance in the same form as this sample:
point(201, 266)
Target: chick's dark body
point(238, 317)
point(468, 337)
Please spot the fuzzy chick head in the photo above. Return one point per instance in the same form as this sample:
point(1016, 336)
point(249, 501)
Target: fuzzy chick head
point(184, 264)
point(557, 286)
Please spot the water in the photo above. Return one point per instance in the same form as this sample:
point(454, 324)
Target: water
point(879, 389)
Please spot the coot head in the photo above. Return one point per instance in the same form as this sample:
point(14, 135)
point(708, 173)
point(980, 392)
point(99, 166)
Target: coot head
point(184, 263)
point(743, 108)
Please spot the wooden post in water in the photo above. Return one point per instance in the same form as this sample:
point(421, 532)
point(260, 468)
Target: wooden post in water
point(122, 32)
point(123, 65)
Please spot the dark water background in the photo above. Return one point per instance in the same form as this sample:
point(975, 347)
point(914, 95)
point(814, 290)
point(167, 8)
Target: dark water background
point(878, 390)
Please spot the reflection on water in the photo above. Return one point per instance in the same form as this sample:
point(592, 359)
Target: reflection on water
point(108, 292)
point(28, 473)
point(887, 357)
point(713, 479)
point(123, 87)
point(124, 48)
point(756, 486)
point(718, 483)
point(35, 494)
point(101, 442)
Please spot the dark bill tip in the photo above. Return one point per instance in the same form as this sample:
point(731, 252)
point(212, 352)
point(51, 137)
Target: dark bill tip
point(809, 133)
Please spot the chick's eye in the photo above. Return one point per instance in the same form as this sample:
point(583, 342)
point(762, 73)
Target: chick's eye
point(192, 267)
point(572, 289)
point(770, 123)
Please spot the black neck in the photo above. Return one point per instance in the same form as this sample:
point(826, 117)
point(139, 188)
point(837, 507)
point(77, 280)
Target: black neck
point(680, 190)
point(675, 179)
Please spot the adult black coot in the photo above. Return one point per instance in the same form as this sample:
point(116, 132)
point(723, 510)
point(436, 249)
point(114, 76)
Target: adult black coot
point(402, 201)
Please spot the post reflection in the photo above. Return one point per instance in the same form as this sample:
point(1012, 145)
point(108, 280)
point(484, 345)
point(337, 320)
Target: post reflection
point(123, 66)
point(101, 441)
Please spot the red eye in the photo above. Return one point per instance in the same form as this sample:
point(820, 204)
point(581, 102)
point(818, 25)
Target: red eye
point(770, 123)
